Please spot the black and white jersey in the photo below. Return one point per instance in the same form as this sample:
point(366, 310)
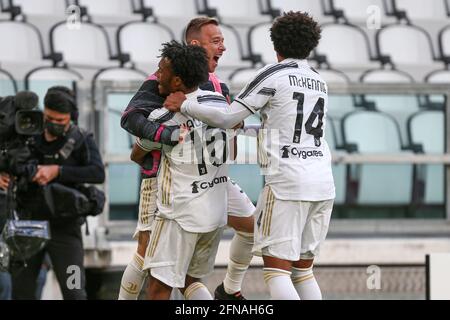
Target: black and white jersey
point(192, 178)
point(292, 100)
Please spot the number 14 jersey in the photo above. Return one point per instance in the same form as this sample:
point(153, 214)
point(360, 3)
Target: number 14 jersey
point(292, 99)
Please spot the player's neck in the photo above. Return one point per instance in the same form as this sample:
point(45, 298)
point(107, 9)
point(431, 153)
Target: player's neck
point(187, 91)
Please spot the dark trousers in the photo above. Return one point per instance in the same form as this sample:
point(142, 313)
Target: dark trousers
point(66, 254)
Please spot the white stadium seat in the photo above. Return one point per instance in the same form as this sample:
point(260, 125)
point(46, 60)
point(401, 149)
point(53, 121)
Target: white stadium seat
point(107, 7)
point(89, 45)
point(40, 79)
point(314, 7)
point(8, 85)
point(232, 57)
point(356, 43)
point(432, 142)
point(42, 7)
point(20, 42)
point(142, 40)
point(378, 184)
point(172, 8)
point(421, 10)
point(260, 43)
point(360, 10)
point(237, 9)
point(406, 45)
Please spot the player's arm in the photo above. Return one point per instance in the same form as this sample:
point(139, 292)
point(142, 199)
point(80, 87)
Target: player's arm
point(134, 119)
point(225, 118)
point(253, 97)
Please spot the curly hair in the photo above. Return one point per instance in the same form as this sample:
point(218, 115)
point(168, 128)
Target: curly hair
point(188, 62)
point(295, 35)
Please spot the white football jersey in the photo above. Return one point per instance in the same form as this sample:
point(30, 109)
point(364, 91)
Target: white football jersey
point(192, 178)
point(292, 100)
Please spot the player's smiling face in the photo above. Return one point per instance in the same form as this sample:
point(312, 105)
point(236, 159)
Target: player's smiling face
point(165, 77)
point(211, 39)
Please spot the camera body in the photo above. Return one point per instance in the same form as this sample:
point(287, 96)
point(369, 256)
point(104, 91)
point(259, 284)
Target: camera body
point(20, 121)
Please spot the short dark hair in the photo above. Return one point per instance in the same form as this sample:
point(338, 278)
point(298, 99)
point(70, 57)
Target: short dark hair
point(188, 62)
point(295, 35)
point(60, 99)
point(195, 26)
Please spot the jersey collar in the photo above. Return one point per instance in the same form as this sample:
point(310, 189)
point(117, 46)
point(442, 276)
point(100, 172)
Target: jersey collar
point(299, 61)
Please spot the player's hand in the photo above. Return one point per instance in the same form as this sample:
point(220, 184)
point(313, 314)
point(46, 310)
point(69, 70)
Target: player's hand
point(174, 101)
point(4, 180)
point(46, 174)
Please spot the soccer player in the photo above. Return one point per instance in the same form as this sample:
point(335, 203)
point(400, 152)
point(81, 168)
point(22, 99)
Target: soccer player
point(191, 204)
point(204, 32)
point(294, 208)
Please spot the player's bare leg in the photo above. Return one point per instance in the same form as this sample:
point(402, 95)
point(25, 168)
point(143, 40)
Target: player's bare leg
point(304, 281)
point(133, 277)
point(157, 290)
point(277, 275)
point(240, 258)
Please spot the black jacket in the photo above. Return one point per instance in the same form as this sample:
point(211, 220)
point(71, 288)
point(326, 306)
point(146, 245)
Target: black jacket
point(83, 165)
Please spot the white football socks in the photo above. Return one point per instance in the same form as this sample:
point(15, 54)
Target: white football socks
point(132, 280)
point(305, 283)
point(240, 258)
point(197, 291)
point(280, 284)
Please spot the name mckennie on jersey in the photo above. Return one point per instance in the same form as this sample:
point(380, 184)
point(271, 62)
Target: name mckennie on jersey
point(309, 83)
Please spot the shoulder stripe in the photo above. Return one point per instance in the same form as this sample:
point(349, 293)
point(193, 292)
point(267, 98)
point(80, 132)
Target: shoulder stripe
point(267, 91)
point(202, 99)
point(264, 75)
point(165, 117)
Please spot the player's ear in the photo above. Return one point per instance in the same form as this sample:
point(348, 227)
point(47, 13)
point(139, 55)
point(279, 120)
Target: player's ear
point(177, 82)
point(195, 42)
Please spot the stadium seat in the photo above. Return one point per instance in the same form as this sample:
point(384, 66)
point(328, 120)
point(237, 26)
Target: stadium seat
point(438, 76)
point(259, 42)
point(142, 41)
point(401, 107)
point(372, 132)
point(107, 7)
point(406, 44)
point(313, 7)
point(87, 46)
point(357, 52)
point(172, 8)
point(8, 85)
point(444, 44)
point(20, 42)
point(359, 10)
point(339, 170)
point(40, 79)
point(239, 78)
point(422, 10)
point(233, 57)
point(120, 74)
point(338, 105)
point(246, 12)
point(432, 142)
point(42, 7)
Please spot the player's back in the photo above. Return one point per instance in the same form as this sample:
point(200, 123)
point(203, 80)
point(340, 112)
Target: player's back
point(292, 99)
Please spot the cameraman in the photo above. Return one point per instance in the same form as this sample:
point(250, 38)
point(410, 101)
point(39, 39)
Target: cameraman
point(67, 155)
point(5, 278)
